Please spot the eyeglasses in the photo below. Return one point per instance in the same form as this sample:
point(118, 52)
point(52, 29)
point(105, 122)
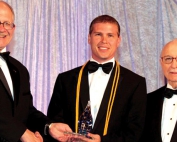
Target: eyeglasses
point(168, 59)
point(7, 25)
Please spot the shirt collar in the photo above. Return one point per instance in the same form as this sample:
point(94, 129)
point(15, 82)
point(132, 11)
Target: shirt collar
point(3, 50)
point(1, 58)
point(169, 86)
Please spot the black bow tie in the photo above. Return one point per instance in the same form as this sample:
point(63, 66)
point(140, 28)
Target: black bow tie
point(93, 66)
point(5, 55)
point(169, 93)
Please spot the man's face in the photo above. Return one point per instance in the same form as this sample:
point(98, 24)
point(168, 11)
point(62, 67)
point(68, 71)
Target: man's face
point(5, 16)
point(170, 70)
point(104, 41)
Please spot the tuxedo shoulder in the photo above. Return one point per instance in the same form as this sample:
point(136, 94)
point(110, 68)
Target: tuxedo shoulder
point(130, 73)
point(157, 92)
point(16, 63)
point(71, 71)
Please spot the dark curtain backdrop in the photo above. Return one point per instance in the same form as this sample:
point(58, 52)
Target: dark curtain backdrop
point(51, 37)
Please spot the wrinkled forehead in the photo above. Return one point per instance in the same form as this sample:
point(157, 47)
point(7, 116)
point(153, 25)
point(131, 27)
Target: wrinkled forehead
point(170, 49)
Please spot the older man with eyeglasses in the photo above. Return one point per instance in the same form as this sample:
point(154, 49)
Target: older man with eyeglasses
point(20, 121)
point(162, 104)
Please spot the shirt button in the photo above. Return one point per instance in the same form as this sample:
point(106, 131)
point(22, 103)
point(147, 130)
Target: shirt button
point(174, 104)
point(170, 118)
point(167, 133)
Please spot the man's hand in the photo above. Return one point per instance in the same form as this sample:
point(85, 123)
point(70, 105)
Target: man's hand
point(37, 134)
point(29, 136)
point(56, 130)
point(80, 138)
point(95, 138)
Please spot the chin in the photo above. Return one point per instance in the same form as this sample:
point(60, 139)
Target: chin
point(172, 78)
point(173, 81)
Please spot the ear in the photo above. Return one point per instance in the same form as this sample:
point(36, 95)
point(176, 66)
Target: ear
point(119, 41)
point(89, 38)
point(13, 29)
point(161, 61)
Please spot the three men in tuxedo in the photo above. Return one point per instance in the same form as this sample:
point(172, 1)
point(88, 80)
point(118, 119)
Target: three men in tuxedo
point(117, 95)
point(19, 119)
point(161, 115)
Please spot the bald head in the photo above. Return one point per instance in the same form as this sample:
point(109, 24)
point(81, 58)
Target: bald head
point(170, 49)
point(4, 4)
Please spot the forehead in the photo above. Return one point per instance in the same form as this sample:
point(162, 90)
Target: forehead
point(100, 27)
point(5, 13)
point(170, 49)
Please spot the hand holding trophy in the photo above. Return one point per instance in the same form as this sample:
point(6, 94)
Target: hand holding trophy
point(85, 123)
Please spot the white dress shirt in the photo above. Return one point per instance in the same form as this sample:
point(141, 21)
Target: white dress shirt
point(97, 84)
point(5, 70)
point(169, 117)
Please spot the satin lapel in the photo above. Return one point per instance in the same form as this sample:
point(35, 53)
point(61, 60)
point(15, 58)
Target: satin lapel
point(174, 136)
point(4, 81)
point(84, 90)
point(15, 80)
point(158, 116)
point(104, 104)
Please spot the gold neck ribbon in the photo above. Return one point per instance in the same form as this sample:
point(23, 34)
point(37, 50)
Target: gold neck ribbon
point(111, 98)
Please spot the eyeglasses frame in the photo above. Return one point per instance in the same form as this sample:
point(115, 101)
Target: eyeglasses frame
point(169, 57)
point(12, 25)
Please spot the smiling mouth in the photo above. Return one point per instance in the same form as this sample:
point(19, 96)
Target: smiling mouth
point(103, 48)
point(173, 72)
point(2, 36)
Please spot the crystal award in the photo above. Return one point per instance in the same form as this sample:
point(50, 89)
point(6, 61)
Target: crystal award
point(85, 121)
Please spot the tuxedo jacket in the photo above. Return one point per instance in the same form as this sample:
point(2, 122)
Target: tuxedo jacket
point(19, 114)
point(152, 131)
point(128, 111)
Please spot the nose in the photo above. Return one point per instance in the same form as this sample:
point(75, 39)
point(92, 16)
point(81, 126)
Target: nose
point(2, 27)
point(174, 63)
point(104, 39)
point(1, 24)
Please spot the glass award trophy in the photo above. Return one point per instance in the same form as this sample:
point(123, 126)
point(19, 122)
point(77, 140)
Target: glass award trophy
point(85, 123)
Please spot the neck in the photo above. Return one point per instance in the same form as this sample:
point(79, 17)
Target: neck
point(173, 84)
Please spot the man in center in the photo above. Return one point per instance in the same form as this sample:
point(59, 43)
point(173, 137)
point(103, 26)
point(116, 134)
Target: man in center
point(117, 95)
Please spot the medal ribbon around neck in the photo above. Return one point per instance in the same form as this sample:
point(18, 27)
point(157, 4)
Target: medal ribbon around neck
point(111, 99)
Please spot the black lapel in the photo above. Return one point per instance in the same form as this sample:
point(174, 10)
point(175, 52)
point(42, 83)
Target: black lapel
point(15, 80)
point(158, 118)
point(174, 136)
point(4, 81)
point(84, 90)
point(157, 115)
point(104, 104)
